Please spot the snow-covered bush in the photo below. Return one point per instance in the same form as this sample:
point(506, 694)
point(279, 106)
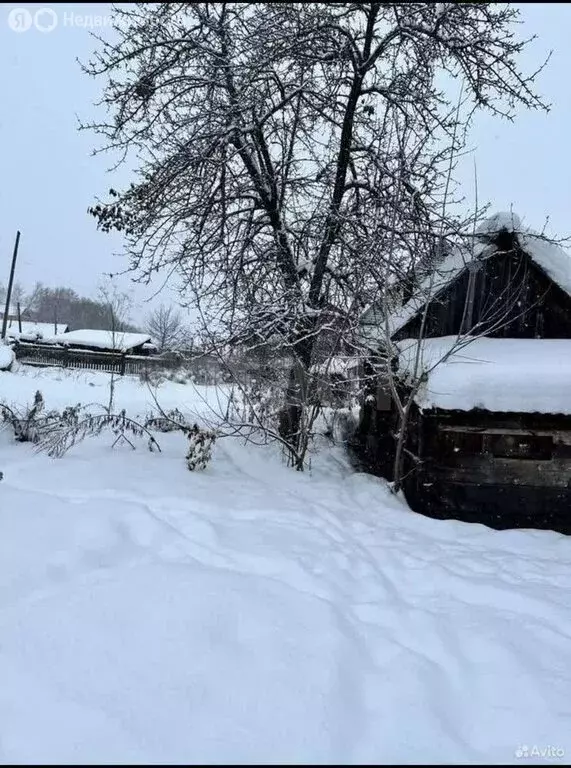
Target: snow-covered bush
point(202, 374)
point(200, 441)
point(74, 426)
point(180, 376)
point(56, 432)
point(171, 421)
point(27, 422)
point(7, 357)
point(152, 377)
point(200, 444)
point(339, 424)
point(32, 424)
point(257, 404)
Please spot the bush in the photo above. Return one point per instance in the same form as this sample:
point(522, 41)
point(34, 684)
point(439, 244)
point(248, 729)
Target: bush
point(171, 421)
point(152, 377)
point(257, 404)
point(200, 444)
point(71, 429)
point(180, 378)
point(56, 432)
point(31, 424)
point(200, 441)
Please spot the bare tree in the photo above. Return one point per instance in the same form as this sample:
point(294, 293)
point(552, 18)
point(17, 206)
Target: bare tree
point(272, 139)
point(165, 326)
point(18, 294)
point(118, 306)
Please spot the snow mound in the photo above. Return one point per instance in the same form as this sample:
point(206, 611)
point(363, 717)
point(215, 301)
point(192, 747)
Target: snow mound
point(501, 375)
point(6, 357)
point(499, 221)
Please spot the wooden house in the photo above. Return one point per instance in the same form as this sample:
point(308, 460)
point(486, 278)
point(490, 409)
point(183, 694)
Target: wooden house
point(105, 341)
point(484, 346)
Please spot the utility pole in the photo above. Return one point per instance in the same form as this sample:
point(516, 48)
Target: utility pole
point(19, 318)
point(10, 284)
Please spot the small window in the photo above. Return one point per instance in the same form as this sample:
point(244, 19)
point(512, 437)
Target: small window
point(519, 446)
point(456, 443)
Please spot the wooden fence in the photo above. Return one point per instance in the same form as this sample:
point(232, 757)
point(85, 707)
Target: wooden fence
point(205, 368)
point(109, 362)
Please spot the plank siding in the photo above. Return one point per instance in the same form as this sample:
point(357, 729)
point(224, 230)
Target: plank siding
point(507, 282)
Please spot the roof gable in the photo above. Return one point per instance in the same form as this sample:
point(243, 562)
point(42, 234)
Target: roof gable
point(553, 260)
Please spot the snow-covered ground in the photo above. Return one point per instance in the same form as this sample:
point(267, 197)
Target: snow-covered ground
point(249, 613)
point(61, 387)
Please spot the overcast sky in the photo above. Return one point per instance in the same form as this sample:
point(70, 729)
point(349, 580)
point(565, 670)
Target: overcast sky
point(48, 178)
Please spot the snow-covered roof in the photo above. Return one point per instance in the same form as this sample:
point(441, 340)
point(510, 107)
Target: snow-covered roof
point(498, 221)
point(510, 375)
point(34, 330)
point(553, 260)
point(118, 341)
point(372, 325)
point(548, 256)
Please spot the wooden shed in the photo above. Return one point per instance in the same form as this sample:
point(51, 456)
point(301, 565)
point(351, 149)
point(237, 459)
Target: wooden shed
point(490, 429)
point(105, 341)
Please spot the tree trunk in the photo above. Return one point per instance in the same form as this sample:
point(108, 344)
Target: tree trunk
point(291, 415)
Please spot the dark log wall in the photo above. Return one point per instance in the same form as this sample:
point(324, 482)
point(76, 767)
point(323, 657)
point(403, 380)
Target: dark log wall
point(503, 470)
point(512, 298)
